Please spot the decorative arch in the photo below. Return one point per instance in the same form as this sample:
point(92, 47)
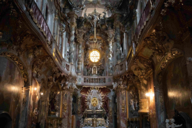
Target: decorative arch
point(175, 53)
point(170, 56)
point(170, 82)
point(19, 64)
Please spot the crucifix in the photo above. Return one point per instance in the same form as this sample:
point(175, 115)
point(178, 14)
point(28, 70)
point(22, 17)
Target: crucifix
point(95, 19)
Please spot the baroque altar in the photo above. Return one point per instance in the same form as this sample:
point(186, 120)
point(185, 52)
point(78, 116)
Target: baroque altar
point(95, 116)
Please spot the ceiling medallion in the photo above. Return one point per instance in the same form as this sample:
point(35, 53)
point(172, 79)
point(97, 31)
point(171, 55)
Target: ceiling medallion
point(94, 56)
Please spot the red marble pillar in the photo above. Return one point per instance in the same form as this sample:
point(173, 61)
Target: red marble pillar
point(24, 115)
point(66, 109)
point(70, 108)
point(79, 111)
point(111, 109)
point(121, 108)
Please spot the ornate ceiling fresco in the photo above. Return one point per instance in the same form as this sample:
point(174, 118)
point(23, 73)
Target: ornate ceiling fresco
point(105, 9)
point(102, 2)
point(88, 6)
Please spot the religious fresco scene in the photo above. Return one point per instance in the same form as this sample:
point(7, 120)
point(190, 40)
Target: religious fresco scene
point(95, 63)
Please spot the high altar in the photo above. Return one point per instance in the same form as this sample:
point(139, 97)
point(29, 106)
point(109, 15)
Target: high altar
point(95, 115)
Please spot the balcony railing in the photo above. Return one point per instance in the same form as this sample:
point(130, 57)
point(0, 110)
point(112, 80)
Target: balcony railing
point(38, 18)
point(40, 22)
point(144, 18)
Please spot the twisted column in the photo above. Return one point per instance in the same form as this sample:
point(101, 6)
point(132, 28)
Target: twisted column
point(79, 69)
point(117, 25)
point(111, 109)
point(73, 24)
point(79, 114)
point(110, 33)
point(80, 41)
point(24, 108)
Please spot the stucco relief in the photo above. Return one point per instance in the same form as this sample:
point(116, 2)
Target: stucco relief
point(94, 99)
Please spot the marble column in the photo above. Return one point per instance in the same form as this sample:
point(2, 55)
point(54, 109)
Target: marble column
point(110, 33)
point(43, 107)
point(111, 109)
point(23, 121)
point(125, 43)
point(121, 106)
point(117, 25)
point(65, 108)
point(79, 66)
point(79, 111)
point(71, 90)
point(80, 40)
point(73, 25)
point(67, 102)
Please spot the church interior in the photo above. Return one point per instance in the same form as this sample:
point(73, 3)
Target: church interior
point(95, 64)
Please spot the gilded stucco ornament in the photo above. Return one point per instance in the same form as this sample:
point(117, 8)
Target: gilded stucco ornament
point(143, 105)
point(94, 99)
point(175, 53)
point(94, 102)
point(114, 85)
point(38, 63)
point(65, 107)
point(159, 41)
point(79, 35)
point(70, 84)
point(142, 67)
